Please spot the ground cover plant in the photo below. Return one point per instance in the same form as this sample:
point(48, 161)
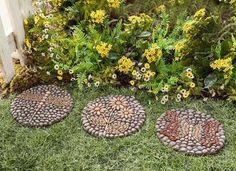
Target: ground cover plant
point(66, 146)
point(136, 44)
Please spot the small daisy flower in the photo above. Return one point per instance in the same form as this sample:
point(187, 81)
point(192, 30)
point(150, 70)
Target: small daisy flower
point(59, 78)
point(114, 76)
point(134, 72)
point(97, 83)
point(143, 69)
point(146, 79)
point(147, 65)
point(179, 96)
point(192, 85)
point(43, 54)
point(73, 79)
point(71, 71)
point(89, 84)
point(90, 77)
point(166, 97)
point(182, 91)
point(56, 67)
point(60, 72)
point(138, 76)
point(163, 101)
point(189, 70)
point(48, 73)
point(178, 100)
point(132, 82)
point(140, 64)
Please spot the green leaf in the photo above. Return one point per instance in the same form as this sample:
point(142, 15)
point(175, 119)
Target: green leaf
point(210, 80)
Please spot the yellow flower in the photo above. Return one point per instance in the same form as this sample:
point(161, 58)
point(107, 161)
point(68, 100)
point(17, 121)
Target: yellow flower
point(36, 19)
point(26, 22)
point(186, 94)
point(59, 78)
point(153, 53)
point(27, 43)
point(103, 49)
point(147, 74)
point(200, 14)
point(114, 3)
point(60, 72)
point(142, 20)
point(125, 64)
point(132, 82)
point(147, 65)
point(189, 74)
point(192, 85)
point(85, 81)
point(224, 65)
point(134, 72)
point(183, 91)
point(97, 16)
point(160, 9)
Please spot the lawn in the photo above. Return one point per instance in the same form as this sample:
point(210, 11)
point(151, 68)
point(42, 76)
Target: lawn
point(66, 146)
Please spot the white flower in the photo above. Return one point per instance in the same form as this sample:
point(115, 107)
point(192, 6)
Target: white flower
point(140, 64)
point(114, 76)
point(138, 76)
point(178, 100)
point(166, 97)
point(50, 49)
point(48, 73)
point(97, 83)
point(189, 70)
point(146, 78)
point(56, 67)
point(163, 101)
point(143, 69)
point(179, 96)
point(71, 71)
point(89, 84)
point(90, 77)
point(43, 54)
point(72, 79)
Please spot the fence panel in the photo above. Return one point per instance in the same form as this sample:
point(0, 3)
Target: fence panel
point(12, 33)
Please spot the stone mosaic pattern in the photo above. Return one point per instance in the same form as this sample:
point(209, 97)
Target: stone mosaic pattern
point(41, 106)
point(113, 116)
point(190, 131)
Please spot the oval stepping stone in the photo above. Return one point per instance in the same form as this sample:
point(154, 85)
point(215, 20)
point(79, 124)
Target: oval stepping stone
point(113, 116)
point(41, 106)
point(190, 132)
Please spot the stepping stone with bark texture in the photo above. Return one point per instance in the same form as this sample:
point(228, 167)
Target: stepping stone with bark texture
point(113, 116)
point(41, 106)
point(190, 132)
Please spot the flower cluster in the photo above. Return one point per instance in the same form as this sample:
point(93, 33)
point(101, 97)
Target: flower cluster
point(125, 64)
point(98, 16)
point(114, 3)
point(153, 53)
point(103, 49)
point(142, 20)
point(225, 65)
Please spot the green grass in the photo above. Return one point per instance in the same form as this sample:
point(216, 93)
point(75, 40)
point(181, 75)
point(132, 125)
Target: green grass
point(66, 146)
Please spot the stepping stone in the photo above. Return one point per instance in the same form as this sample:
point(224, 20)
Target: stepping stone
point(41, 106)
point(113, 116)
point(190, 132)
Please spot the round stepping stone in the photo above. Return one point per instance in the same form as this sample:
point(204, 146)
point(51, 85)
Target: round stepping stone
point(41, 106)
point(113, 116)
point(190, 132)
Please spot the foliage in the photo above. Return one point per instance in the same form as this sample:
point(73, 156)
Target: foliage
point(106, 43)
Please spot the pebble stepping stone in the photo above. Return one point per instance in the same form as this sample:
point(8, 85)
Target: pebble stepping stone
point(113, 116)
point(41, 106)
point(190, 132)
